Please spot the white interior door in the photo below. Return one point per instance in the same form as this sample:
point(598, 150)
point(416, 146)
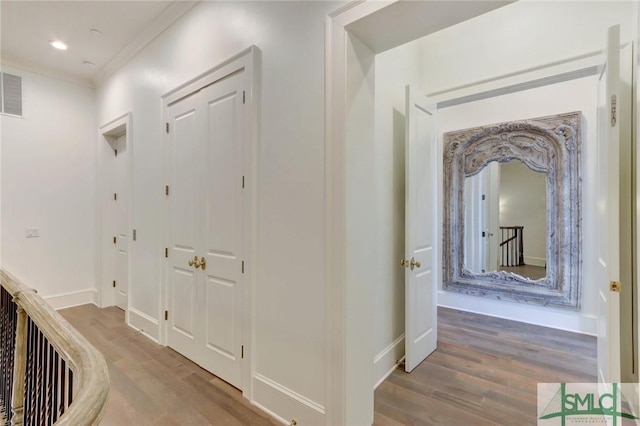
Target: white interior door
point(221, 236)
point(474, 223)
point(421, 229)
point(121, 221)
point(206, 227)
point(185, 225)
point(608, 215)
point(493, 215)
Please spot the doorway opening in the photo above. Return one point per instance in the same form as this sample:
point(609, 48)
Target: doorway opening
point(115, 209)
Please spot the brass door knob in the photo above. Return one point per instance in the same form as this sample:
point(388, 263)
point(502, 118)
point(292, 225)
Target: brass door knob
point(404, 262)
point(195, 262)
point(414, 263)
point(203, 263)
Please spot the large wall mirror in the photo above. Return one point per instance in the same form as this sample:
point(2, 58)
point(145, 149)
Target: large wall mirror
point(512, 211)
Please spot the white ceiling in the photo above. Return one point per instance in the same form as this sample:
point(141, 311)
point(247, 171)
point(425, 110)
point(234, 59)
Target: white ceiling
point(126, 26)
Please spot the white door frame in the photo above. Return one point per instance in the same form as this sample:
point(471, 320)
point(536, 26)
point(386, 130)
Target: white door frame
point(349, 350)
point(248, 60)
point(121, 124)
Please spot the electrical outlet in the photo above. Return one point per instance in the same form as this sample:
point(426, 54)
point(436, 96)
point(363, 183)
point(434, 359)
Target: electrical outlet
point(32, 232)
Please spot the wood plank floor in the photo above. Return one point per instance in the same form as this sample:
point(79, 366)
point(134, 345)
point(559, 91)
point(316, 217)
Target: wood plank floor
point(484, 372)
point(154, 385)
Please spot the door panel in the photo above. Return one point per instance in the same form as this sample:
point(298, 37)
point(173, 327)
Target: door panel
point(183, 208)
point(206, 219)
point(221, 313)
point(122, 222)
point(421, 225)
point(608, 213)
point(493, 213)
point(185, 179)
point(223, 218)
point(184, 300)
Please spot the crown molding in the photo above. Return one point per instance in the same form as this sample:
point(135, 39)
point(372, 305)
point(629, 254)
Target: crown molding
point(168, 17)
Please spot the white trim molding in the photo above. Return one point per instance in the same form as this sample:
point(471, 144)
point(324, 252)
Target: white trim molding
point(72, 298)
point(144, 323)
point(269, 393)
point(388, 360)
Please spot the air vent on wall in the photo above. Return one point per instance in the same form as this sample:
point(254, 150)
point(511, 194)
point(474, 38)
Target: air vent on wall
point(11, 94)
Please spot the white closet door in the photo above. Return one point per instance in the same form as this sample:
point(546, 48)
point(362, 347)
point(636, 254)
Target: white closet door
point(185, 218)
point(221, 235)
point(206, 224)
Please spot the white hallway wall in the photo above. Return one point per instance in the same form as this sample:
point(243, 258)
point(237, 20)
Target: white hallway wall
point(289, 317)
point(48, 182)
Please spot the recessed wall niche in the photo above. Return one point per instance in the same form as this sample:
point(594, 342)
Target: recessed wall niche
point(550, 146)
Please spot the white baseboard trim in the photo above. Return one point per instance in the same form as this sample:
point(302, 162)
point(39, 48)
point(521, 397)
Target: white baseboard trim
point(285, 404)
point(387, 360)
point(72, 298)
point(147, 325)
point(535, 261)
point(271, 413)
point(576, 322)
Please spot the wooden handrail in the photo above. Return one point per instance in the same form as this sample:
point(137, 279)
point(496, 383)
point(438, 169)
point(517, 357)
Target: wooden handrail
point(87, 364)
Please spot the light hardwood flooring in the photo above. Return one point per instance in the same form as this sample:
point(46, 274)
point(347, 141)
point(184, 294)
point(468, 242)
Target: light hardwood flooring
point(154, 385)
point(484, 372)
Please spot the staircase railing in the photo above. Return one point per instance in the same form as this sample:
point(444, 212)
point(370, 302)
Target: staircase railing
point(512, 246)
point(50, 374)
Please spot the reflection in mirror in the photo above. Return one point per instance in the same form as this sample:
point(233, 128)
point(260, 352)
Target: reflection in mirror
point(506, 220)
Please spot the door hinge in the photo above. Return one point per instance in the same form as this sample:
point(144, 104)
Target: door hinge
point(484, 197)
point(166, 190)
point(115, 196)
point(615, 286)
point(243, 182)
point(166, 127)
point(116, 151)
point(114, 283)
point(243, 266)
point(166, 315)
point(134, 235)
point(244, 97)
point(242, 352)
point(614, 105)
point(166, 252)
point(114, 240)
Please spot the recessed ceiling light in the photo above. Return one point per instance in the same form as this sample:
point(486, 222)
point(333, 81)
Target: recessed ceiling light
point(89, 64)
point(95, 32)
point(58, 45)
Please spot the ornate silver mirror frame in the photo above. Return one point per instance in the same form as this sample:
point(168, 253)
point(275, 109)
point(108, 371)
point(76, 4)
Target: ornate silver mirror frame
point(548, 145)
